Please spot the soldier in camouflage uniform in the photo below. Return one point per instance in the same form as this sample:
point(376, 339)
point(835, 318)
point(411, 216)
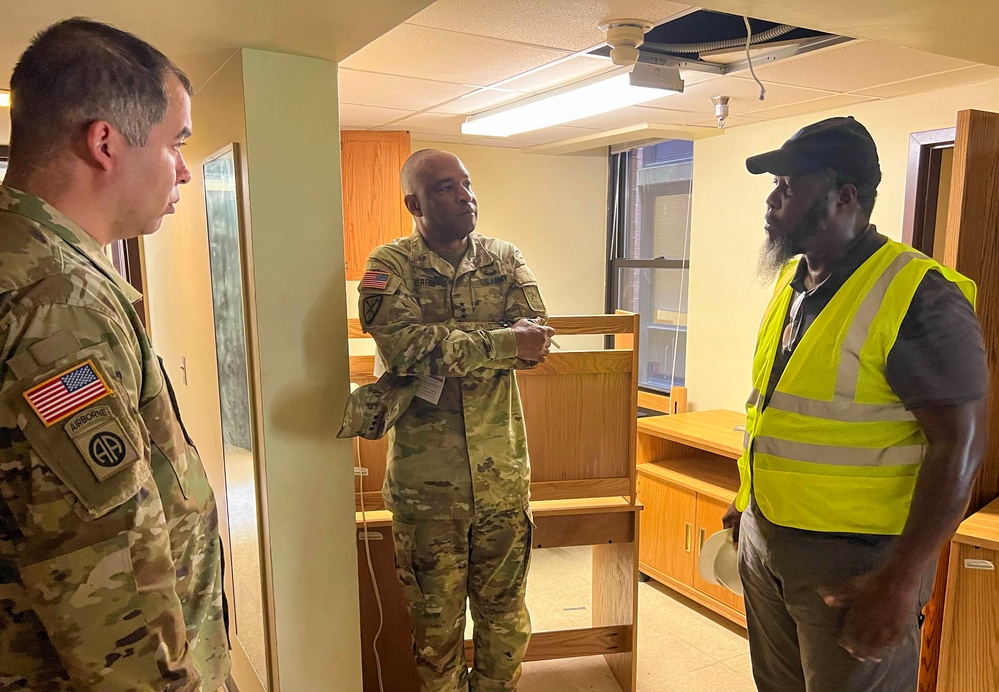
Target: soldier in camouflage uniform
point(109, 550)
point(450, 312)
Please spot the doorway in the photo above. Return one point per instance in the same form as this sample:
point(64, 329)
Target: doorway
point(927, 192)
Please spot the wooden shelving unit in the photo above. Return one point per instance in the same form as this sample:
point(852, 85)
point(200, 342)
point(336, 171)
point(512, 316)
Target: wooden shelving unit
point(580, 409)
point(687, 478)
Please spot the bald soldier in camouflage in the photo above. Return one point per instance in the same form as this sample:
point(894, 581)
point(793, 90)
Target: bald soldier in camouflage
point(109, 549)
point(450, 312)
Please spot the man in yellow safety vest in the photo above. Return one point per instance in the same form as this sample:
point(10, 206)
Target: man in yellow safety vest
point(865, 427)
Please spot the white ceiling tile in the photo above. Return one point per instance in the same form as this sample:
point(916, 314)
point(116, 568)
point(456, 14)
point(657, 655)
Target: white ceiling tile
point(744, 95)
point(967, 75)
point(355, 117)
point(561, 73)
point(827, 103)
point(635, 115)
point(564, 24)
point(416, 51)
point(856, 65)
point(432, 138)
point(433, 123)
point(551, 134)
point(390, 91)
point(477, 102)
point(495, 142)
point(730, 122)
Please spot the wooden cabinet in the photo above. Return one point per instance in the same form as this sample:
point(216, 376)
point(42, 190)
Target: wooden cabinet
point(688, 479)
point(969, 658)
point(709, 521)
point(667, 539)
point(373, 209)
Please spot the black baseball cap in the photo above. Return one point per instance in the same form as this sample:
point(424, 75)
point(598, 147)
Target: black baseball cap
point(842, 144)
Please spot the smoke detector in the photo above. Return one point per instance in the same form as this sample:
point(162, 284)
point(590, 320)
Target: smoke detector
point(624, 36)
point(721, 109)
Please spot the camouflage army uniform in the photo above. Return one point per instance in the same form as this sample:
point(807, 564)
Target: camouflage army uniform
point(109, 549)
point(458, 476)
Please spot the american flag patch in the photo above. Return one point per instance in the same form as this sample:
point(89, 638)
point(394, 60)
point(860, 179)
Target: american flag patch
point(67, 393)
point(378, 280)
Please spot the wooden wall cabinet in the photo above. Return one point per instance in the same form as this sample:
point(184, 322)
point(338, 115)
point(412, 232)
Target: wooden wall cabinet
point(969, 656)
point(373, 209)
point(687, 477)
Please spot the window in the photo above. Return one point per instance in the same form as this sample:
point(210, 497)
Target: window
point(4, 152)
point(649, 253)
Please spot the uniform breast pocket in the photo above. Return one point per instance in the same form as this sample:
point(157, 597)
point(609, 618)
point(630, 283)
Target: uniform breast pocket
point(488, 298)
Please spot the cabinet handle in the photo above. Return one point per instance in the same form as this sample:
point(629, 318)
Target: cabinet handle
point(700, 537)
point(688, 535)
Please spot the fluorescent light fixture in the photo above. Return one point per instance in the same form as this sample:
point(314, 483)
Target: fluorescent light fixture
point(4, 99)
point(600, 94)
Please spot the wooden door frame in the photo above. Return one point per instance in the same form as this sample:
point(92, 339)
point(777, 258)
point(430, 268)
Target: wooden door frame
point(922, 184)
point(126, 256)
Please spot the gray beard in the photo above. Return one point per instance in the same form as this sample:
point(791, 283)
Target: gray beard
point(777, 252)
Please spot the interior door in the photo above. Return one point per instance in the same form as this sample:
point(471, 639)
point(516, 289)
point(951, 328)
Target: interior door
point(709, 521)
point(666, 542)
point(971, 245)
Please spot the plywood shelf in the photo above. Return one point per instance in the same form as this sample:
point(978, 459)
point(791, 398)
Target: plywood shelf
point(714, 477)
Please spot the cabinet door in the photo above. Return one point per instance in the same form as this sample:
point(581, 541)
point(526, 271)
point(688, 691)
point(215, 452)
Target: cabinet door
point(373, 209)
point(667, 536)
point(709, 521)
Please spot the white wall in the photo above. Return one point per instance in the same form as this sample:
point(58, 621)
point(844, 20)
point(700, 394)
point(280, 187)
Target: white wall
point(296, 233)
point(726, 302)
point(554, 208)
point(298, 268)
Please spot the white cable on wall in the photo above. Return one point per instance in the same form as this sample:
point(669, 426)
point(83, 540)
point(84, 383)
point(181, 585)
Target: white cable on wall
point(374, 585)
point(683, 276)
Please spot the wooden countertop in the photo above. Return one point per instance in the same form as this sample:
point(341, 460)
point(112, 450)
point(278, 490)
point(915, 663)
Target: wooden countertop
point(981, 528)
point(713, 431)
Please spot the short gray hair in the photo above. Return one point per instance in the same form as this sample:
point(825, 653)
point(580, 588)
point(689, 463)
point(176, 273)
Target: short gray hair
point(77, 72)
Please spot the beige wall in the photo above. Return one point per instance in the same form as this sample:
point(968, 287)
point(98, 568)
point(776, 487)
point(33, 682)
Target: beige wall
point(297, 239)
point(554, 208)
point(727, 227)
point(293, 176)
point(179, 297)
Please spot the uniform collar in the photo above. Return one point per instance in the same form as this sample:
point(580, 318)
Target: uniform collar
point(476, 256)
point(44, 214)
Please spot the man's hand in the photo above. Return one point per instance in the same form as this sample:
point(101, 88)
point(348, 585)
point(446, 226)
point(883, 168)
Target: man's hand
point(731, 520)
point(532, 340)
point(879, 607)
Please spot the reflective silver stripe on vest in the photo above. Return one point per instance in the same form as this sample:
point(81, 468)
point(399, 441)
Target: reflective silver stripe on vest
point(849, 361)
point(840, 410)
point(839, 456)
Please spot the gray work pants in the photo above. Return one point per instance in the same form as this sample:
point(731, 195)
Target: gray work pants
point(793, 634)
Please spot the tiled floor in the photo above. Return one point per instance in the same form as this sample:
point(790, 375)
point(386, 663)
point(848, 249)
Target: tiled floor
point(682, 647)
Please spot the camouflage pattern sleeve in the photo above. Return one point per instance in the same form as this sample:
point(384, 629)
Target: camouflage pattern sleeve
point(524, 300)
point(93, 550)
point(392, 315)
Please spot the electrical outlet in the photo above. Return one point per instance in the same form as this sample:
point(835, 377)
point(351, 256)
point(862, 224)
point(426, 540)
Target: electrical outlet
point(360, 471)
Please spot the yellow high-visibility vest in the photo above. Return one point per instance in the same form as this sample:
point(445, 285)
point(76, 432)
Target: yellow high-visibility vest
point(835, 449)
